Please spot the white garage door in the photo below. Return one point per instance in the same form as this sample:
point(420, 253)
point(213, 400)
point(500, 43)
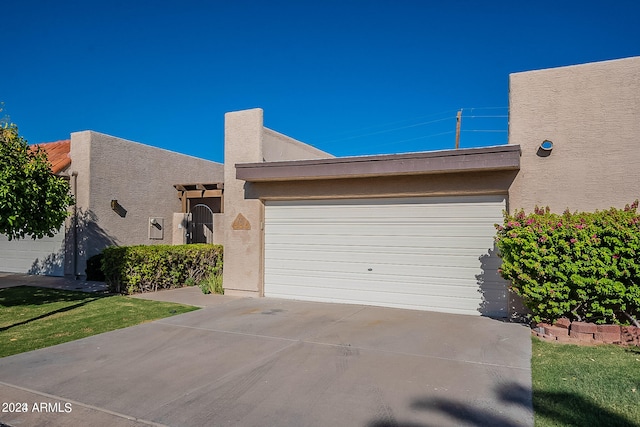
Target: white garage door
point(41, 256)
point(428, 253)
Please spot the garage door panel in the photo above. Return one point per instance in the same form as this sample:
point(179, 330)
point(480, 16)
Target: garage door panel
point(329, 280)
point(481, 220)
point(12, 263)
point(380, 229)
point(390, 298)
point(314, 213)
point(39, 256)
point(464, 268)
point(477, 243)
point(461, 298)
point(333, 280)
point(345, 250)
point(488, 280)
point(390, 294)
point(444, 207)
point(26, 247)
point(379, 255)
point(426, 253)
point(354, 261)
point(284, 284)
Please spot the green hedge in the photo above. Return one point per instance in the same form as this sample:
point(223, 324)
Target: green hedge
point(134, 269)
point(584, 266)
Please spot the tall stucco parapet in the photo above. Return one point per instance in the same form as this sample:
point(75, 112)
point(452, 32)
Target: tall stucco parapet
point(591, 114)
point(80, 153)
point(80, 171)
point(243, 131)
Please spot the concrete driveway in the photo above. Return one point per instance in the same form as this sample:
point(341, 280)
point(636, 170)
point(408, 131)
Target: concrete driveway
point(269, 362)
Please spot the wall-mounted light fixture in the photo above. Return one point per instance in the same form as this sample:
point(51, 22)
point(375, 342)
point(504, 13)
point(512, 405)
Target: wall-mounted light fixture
point(117, 208)
point(156, 228)
point(544, 150)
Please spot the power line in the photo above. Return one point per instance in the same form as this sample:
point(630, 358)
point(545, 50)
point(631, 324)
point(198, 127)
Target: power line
point(383, 125)
point(413, 139)
point(384, 128)
point(486, 108)
point(485, 117)
point(484, 130)
point(390, 130)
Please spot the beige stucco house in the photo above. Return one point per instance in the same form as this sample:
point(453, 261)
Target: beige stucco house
point(411, 230)
point(416, 230)
point(125, 195)
point(405, 230)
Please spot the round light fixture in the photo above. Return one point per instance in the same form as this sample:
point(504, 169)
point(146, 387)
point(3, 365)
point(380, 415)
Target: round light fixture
point(545, 148)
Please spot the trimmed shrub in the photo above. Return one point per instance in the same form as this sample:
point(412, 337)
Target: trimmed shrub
point(134, 269)
point(584, 266)
point(94, 268)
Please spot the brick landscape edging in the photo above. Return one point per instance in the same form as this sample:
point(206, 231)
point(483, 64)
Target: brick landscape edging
point(565, 331)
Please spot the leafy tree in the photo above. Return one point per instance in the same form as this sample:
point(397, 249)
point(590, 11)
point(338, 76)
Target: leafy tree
point(33, 201)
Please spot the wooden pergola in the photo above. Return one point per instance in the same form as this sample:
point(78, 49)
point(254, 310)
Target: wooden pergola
point(186, 192)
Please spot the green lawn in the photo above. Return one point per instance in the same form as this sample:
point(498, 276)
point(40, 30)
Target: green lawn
point(585, 386)
point(32, 318)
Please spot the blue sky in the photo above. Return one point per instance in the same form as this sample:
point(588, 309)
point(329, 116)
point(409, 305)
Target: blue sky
point(350, 77)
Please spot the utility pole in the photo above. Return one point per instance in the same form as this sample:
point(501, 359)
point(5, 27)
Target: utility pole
point(458, 123)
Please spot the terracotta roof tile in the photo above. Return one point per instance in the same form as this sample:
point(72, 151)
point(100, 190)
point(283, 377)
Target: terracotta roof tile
point(58, 154)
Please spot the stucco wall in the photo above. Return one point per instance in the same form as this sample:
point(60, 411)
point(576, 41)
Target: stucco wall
point(278, 147)
point(243, 242)
point(140, 178)
point(248, 141)
point(591, 113)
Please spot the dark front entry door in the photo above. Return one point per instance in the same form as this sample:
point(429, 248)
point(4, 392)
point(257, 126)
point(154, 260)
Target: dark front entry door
point(201, 224)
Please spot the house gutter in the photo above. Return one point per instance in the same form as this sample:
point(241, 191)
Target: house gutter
point(498, 158)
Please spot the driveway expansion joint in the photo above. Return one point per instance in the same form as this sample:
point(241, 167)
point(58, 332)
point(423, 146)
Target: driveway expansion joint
point(341, 345)
point(84, 405)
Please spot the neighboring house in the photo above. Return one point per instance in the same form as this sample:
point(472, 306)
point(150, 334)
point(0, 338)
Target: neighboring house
point(125, 195)
point(46, 255)
point(416, 230)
